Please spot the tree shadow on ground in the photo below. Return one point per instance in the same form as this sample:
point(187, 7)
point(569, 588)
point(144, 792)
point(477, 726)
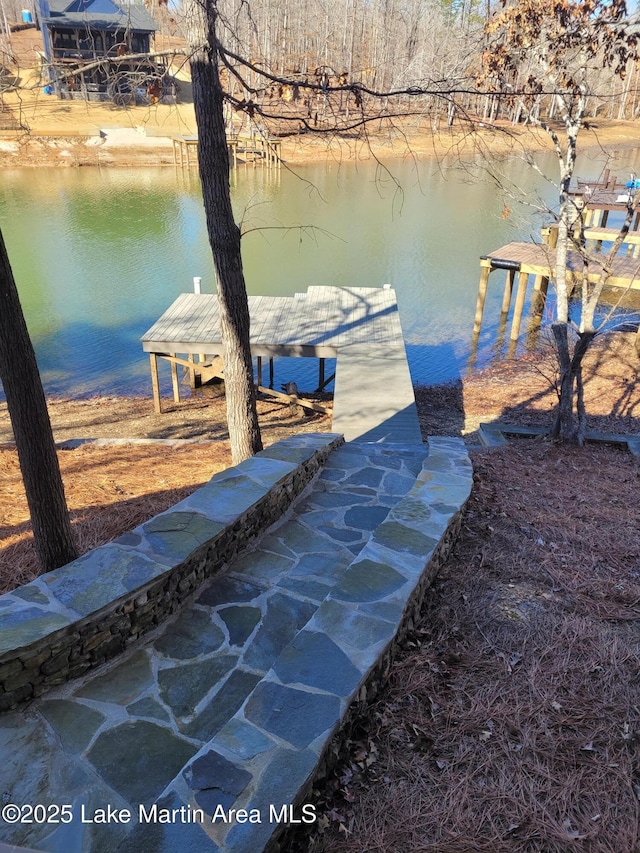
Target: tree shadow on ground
point(522, 391)
point(441, 404)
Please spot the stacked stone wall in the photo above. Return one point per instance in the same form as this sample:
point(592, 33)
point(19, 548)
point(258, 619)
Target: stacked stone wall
point(43, 645)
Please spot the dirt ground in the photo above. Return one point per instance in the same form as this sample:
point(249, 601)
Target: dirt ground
point(114, 487)
point(68, 134)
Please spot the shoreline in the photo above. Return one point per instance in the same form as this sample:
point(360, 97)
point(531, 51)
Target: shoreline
point(51, 131)
point(54, 139)
point(516, 391)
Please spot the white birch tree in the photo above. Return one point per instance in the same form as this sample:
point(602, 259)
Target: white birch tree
point(561, 43)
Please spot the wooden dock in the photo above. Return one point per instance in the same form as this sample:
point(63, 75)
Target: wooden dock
point(256, 148)
point(539, 260)
point(358, 326)
point(601, 202)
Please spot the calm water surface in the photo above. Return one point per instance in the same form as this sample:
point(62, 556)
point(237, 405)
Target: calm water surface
point(98, 255)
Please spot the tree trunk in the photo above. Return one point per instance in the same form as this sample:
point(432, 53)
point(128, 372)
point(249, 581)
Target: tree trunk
point(570, 424)
point(224, 234)
point(32, 429)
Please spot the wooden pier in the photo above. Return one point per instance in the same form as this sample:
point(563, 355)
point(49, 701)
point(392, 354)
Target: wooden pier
point(358, 326)
point(601, 202)
point(538, 259)
point(253, 147)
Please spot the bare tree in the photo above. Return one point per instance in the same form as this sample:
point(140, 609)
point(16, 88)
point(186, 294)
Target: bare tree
point(224, 234)
point(32, 429)
point(258, 93)
point(559, 43)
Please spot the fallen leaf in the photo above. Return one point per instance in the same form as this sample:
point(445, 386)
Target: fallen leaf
point(572, 833)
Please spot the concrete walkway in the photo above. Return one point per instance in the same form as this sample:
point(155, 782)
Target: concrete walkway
point(232, 703)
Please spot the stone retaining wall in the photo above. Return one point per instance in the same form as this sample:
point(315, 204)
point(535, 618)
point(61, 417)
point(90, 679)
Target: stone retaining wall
point(76, 617)
point(295, 837)
point(292, 725)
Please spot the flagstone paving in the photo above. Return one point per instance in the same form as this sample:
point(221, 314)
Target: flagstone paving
point(231, 703)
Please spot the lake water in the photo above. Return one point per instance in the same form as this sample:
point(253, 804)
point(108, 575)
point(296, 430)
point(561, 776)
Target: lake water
point(98, 255)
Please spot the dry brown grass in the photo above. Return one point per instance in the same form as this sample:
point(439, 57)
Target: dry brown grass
point(511, 720)
point(111, 489)
point(132, 484)
point(522, 392)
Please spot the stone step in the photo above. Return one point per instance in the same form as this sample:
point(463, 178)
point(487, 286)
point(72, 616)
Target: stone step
point(330, 663)
point(231, 705)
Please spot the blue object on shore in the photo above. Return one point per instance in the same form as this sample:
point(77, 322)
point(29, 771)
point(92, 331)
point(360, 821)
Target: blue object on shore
point(633, 185)
point(27, 17)
point(48, 90)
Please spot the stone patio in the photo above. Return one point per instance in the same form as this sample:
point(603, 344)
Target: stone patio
point(231, 703)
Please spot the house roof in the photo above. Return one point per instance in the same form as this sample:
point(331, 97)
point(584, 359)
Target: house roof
point(99, 14)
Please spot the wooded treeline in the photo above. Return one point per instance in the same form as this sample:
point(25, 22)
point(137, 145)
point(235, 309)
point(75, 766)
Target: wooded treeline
point(389, 46)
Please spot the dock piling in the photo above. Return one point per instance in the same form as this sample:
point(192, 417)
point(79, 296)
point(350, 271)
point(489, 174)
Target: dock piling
point(523, 280)
point(485, 269)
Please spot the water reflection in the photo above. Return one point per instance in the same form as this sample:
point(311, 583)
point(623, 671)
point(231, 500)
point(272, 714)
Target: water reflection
point(99, 254)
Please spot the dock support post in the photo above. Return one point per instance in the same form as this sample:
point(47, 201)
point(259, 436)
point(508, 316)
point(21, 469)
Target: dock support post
point(259, 359)
point(541, 282)
point(485, 269)
point(540, 288)
point(321, 374)
point(192, 370)
point(174, 379)
point(155, 383)
point(271, 373)
point(523, 279)
point(508, 290)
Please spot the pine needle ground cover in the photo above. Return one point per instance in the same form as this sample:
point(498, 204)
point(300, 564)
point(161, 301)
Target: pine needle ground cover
point(511, 720)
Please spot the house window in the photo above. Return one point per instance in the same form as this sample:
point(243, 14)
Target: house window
point(65, 40)
point(139, 43)
point(91, 42)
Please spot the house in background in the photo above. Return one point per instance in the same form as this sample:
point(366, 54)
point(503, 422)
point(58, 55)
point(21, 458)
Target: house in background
point(93, 34)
